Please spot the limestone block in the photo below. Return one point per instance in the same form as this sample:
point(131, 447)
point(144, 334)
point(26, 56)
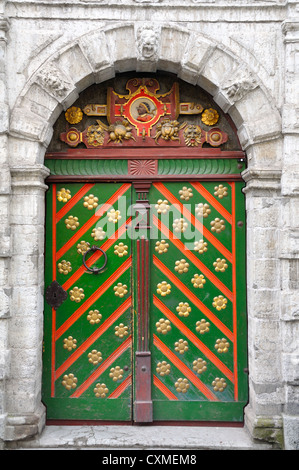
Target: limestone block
point(95, 49)
point(172, 48)
point(29, 125)
point(263, 273)
point(290, 305)
point(73, 64)
point(263, 243)
point(263, 303)
point(291, 431)
point(196, 54)
point(41, 103)
point(260, 118)
point(122, 47)
point(5, 301)
point(25, 269)
point(25, 333)
point(290, 367)
point(219, 65)
point(27, 300)
point(29, 210)
point(148, 47)
point(25, 152)
point(27, 239)
point(267, 400)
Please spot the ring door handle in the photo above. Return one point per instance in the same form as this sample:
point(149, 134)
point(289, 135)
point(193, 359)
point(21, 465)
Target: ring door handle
point(93, 249)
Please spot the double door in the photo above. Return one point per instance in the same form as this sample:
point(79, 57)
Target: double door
point(145, 307)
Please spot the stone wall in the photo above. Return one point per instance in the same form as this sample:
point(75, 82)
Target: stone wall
point(246, 55)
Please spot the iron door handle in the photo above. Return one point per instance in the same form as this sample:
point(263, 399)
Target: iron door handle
point(95, 270)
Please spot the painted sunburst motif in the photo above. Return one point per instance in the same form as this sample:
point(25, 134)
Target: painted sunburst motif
point(142, 167)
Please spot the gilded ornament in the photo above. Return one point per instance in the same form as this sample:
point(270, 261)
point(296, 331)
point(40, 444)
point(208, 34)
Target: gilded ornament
point(69, 343)
point(219, 384)
point(163, 326)
point(71, 222)
point(168, 130)
point(181, 346)
point(199, 365)
point(163, 368)
point(69, 381)
point(185, 193)
point(114, 216)
point(180, 225)
point(217, 225)
point(95, 134)
point(163, 288)
point(200, 246)
point(90, 202)
point(222, 345)
point(94, 317)
point(162, 206)
point(98, 234)
point(83, 247)
point(181, 266)
point(202, 326)
point(210, 117)
point(95, 357)
point(121, 249)
point(182, 385)
point(63, 195)
point(161, 247)
point(77, 294)
point(203, 210)
point(120, 131)
point(198, 281)
point(116, 373)
point(193, 136)
point(219, 302)
point(100, 390)
point(183, 309)
point(121, 330)
point(120, 289)
point(73, 115)
point(220, 191)
point(220, 265)
point(64, 267)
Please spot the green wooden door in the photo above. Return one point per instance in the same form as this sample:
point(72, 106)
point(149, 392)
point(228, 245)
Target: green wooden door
point(185, 270)
point(198, 303)
point(88, 338)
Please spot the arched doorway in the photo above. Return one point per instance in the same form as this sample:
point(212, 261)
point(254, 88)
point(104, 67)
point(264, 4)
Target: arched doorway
point(145, 312)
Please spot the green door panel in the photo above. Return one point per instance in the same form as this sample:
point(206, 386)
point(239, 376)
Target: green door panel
point(198, 309)
point(87, 340)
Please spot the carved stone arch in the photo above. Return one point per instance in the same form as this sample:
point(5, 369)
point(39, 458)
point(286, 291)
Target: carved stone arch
point(100, 54)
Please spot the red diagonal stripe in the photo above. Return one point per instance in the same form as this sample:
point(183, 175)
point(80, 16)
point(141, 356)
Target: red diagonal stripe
point(122, 387)
point(197, 224)
point(107, 363)
point(160, 385)
point(192, 297)
point(184, 369)
point(180, 245)
point(194, 339)
point(105, 246)
point(213, 201)
point(97, 333)
point(80, 232)
point(93, 297)
point(74, 199)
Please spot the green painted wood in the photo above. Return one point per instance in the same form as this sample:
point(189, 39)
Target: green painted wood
point(74, 323)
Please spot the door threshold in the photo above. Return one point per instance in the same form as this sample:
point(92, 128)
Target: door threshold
point(63, 422)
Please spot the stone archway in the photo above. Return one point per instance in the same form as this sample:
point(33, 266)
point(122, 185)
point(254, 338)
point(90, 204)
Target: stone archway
point(54, 87)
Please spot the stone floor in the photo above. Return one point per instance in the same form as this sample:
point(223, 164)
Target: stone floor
point(143, 438)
